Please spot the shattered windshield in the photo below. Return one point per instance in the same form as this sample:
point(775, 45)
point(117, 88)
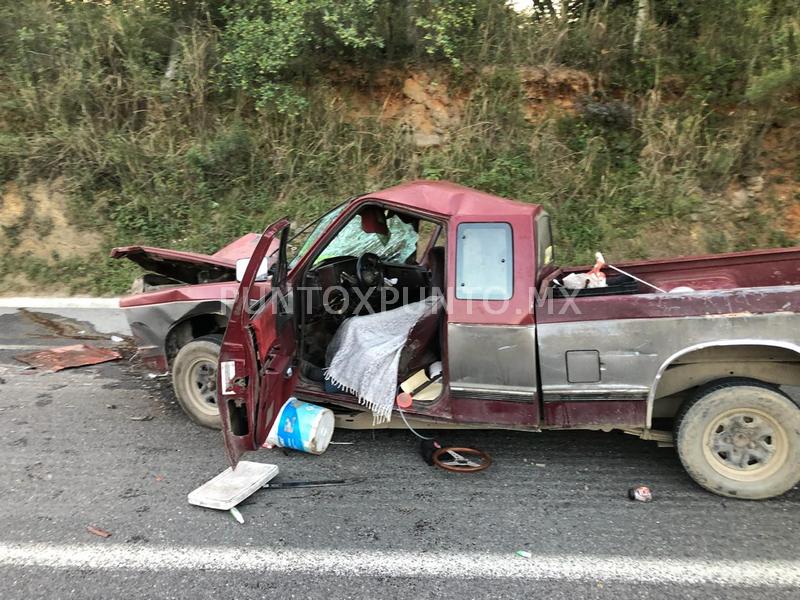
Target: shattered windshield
point(395, 246)
point(352, 240)
point(315, 234)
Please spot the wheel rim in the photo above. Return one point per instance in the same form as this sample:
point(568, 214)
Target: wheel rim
point(202, 384)
point(745, 444)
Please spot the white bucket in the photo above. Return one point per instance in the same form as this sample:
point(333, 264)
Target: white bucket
point(302, 426)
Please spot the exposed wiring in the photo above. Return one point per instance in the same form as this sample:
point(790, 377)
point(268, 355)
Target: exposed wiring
point(410, 428)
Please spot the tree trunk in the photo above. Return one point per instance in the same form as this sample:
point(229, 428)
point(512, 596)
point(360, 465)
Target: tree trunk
point(642, 14)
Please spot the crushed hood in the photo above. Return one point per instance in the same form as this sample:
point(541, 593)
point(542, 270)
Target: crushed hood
point(191, 267)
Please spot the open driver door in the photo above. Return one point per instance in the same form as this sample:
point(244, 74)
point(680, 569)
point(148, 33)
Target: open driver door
point(255, 374)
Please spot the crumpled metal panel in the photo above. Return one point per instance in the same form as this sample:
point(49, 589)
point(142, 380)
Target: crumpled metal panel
point(66, 357)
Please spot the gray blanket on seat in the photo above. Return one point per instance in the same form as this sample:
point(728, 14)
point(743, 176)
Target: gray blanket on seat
point(364, 355)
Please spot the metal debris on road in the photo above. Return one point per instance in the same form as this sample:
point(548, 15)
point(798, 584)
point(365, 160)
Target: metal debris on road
point(142, 418)
point(278, 485)
point(65, 357)
point(98, 531)
point(237, 515)
point(640, 493)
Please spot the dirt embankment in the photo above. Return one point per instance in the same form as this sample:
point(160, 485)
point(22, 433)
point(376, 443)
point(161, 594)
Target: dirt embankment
point(781, 175)
point(36, 229)
point(427, 107)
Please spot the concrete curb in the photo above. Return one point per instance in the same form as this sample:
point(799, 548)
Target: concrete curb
point(49, 302)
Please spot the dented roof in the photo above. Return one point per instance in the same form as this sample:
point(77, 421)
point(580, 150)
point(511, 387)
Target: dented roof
point(448, 199)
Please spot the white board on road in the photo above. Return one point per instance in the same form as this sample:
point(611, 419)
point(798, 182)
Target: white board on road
point(231, 487)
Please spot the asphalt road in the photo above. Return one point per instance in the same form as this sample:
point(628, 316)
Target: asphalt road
point(75, 453)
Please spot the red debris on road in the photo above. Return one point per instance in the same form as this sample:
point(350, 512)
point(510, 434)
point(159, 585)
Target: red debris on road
point(66, 357)
point(98, 531)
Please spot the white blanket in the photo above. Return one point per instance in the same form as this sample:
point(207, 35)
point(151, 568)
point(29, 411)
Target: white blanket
point(364, 355)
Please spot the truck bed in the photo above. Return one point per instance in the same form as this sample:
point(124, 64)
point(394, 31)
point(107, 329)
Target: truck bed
point(751, 269)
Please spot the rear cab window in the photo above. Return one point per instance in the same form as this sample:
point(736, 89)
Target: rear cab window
point(544, 243)
point(484, 261)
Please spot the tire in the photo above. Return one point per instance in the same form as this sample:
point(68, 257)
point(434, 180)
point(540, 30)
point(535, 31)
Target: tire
point(194, 379)
point(740, 438)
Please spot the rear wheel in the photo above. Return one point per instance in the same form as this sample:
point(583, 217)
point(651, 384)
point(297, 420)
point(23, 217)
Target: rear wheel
point(194, 378)
point(740, 438)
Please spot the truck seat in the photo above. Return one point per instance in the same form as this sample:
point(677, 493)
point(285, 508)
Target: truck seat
point(422, 346)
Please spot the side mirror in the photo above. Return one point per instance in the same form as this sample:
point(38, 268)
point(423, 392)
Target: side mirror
point(263, 269)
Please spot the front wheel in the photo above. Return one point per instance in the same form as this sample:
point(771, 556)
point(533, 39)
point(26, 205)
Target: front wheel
point(194, 379)
point(740, 438)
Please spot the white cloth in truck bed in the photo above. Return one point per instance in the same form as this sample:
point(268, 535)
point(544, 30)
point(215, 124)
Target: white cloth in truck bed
point(364, 355)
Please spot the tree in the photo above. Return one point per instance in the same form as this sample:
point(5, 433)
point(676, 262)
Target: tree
point(642, 16)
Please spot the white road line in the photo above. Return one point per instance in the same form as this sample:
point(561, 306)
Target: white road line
point(403, 564)
point(48, 302)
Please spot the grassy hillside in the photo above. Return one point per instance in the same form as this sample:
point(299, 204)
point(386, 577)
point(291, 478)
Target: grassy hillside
point(670, 130)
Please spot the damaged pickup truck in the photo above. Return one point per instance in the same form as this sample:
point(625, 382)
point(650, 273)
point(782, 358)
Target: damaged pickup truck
point(693, 351)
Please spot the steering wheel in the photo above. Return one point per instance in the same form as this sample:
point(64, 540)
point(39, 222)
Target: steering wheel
point(369, 270)
point(461, 460)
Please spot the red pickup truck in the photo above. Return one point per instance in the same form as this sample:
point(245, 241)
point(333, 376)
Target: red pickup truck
point(703, 363)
